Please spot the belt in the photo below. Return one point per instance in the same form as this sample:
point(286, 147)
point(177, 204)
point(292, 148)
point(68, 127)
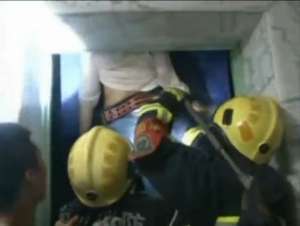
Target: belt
point(126, 106)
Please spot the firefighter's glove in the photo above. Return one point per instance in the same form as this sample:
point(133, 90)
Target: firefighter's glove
point(172, 98)
point(272, 187)
point(255, 213)
point(164, 106)
point(86, 215)
point(259, 217)
point(262, 203)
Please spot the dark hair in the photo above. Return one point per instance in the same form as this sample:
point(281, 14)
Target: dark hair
point(17, 154)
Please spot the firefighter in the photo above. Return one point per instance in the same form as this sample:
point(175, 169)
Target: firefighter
point(108, 189)
point(225, 126)
point(199, 182)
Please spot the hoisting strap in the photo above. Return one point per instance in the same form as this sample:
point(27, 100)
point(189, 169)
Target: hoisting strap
point(126, 106)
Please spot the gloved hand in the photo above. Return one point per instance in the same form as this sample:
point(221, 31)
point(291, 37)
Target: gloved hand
point(256, 214)
point(85, 216)
point(164, 106)
point(263, 202)
point(172, 98)
point(72, 222)
point(274, 189)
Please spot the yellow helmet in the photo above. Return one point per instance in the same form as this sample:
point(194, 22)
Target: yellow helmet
point(98, 167)
point(252, 125)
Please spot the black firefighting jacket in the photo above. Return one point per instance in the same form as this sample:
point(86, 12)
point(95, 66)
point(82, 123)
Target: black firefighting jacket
point(136, 208)
point(197, 181)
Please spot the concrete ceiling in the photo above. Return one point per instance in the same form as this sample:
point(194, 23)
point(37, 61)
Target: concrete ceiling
point(160, 25)
point(161, 31)
point(161, 6)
